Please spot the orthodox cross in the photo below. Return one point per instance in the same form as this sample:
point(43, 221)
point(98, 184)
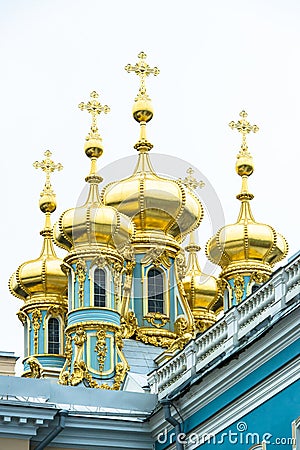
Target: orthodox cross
point(48, 166)
point(142, 70)
point(191, 182)
point(244, 127)
point(94, 107)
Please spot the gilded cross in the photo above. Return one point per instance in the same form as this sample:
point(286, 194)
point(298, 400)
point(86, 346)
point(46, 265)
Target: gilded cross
point(142, 70)
point(244, 127)
point(191, 182)
point(48, 166)
point(94, 107)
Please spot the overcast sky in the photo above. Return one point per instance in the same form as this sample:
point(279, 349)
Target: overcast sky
point(215, 57)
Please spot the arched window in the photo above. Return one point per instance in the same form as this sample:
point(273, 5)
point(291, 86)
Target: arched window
point(53, 336)
point(155, 291)
point(99, 288)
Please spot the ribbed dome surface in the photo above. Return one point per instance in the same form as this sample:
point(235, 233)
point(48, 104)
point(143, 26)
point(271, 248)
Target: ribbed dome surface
point(92, 223)
point(246, 241)
point(42, 276)
point(154, 203)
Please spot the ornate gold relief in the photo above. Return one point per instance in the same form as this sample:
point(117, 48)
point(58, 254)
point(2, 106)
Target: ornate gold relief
point(55, 311)
point(79, 340)
point(156, 319)
point(239, 285)
point(101, 348)
point(181, 327)
point(22, 317)
point(129, 324)
point(36, 370)
point(117, 270)
point(81, 274)
point(36, 323)
point(81, 373)
point(151, 337)
point(259, 277)
point(180, 262)
point(68, 350)
point(156, 256)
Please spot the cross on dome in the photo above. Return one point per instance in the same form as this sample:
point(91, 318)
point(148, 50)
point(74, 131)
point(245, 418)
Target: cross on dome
point(191, 182)
point(243, 127)
point(48, 166)
point(142, 70)
point(94, 107)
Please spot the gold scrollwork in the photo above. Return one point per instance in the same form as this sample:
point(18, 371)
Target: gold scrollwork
point(81, 373)
point(239, 285)
point(180, 265)
point(101, 348)
point(36, 323)
point(259, 277)
point(159, 340)
point(22, 317)
point(157, 319)
point(36, 370)
point(79, 340)
point(157, 256)
point(81, 275)
point(129, 324)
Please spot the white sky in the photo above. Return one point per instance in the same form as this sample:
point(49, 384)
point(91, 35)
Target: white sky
point(216, 58)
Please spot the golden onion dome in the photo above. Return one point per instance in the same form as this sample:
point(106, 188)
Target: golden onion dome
point(158, 206)
point(246, 245)
point(42, 276)
point(161, 208)
point(201, 289)
point(93, 223)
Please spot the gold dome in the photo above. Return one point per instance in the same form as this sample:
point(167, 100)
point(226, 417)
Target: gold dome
point(161, 209)
point(158, 206)
point(42, 276)
point(246, 245)
point(92, 223)
point(202, 289)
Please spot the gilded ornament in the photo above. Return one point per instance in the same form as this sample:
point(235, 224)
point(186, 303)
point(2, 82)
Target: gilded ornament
point(79, 340)
point(157, 256)
point(190, 181)
point(157, 319)
point(243, 127)
point(22, 317)
point(239, 285)
point(259, 277)
point(93, 146)
point(36, 323)
point(36, 370)
point(151, 337)
point(129, 324)
point(68, 350)
point(101, 348)
point(81, 275)
point(47, 196)
point(142, 70)
point(180, 262)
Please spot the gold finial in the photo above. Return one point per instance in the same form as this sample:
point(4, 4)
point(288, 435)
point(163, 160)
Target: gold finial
point(244, 127)
point(93, 146)
point(143, 70)
point(47, 196)
point(191, 182)
point(142, 108)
